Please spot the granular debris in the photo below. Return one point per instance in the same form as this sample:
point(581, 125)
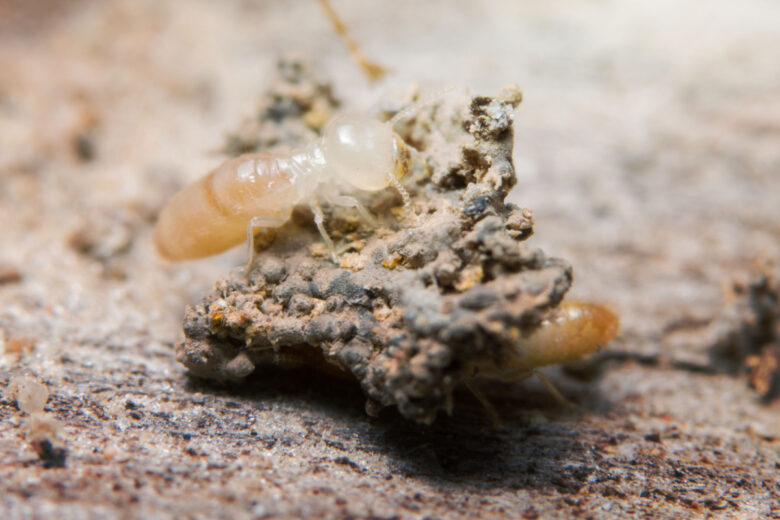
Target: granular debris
point(16, 344)
point(102, 235)
point(9, 274)
point(747, 334)
point(43, 429)
point(51, 456)
point(415, 305)
point(294, 109)
point(30, 395)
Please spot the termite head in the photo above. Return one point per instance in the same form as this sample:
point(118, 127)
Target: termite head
point(364, 152)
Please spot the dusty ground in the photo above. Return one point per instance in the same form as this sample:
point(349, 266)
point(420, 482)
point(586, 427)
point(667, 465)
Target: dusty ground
point(646, 146)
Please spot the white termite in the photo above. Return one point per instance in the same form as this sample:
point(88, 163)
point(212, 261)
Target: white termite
point(260, 190)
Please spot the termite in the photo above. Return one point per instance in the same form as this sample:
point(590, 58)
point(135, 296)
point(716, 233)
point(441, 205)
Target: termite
point(570, 332)
point(260, 190)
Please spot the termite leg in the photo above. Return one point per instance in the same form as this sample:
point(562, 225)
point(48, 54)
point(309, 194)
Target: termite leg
point(352, 202)
point(319, 220)
point(557, 395)
point(485, 402)
point(254, 223)
point(514, 376)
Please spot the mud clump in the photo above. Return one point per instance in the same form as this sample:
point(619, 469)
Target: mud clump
point(416, 302)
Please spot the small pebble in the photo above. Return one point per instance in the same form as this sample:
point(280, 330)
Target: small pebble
point(31, 396)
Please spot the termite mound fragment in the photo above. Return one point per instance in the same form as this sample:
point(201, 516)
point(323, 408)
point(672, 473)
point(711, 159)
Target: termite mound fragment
point(746, 335)
point(415, 303)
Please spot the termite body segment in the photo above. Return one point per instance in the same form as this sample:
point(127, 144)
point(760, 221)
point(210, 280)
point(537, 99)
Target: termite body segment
point(261, 190)
point(573, 330)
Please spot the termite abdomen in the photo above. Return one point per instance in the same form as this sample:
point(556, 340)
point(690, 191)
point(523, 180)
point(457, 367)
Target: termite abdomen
point(260, 190)
point(211, 215)
point(574, 330)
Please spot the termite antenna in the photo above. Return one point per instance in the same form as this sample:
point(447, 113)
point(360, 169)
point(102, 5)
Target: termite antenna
point(373, 71)
point(418, 105)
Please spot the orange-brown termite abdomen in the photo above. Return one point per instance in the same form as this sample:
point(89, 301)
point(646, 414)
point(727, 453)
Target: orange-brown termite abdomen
point(212, 214)
point(575, 330)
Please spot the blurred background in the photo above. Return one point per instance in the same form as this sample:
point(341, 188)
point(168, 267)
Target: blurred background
point(647, 146)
